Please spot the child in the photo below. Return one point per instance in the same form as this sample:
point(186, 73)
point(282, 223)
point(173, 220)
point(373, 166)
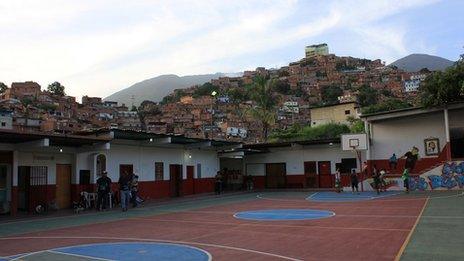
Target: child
point(337, 181)
point(405, 178)
point(354, 181)
point(376, 176)
point(382, 179)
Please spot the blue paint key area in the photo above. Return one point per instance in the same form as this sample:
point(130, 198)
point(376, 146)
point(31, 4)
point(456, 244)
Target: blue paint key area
point(137, 251)
point(284, 214)
point(348, 196)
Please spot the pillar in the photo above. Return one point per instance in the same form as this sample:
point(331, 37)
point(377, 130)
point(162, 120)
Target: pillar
point(447, 135)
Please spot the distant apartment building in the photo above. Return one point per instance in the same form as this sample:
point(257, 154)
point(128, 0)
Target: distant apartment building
point(413, 84)
point(316, 49)
point(21, 90)
point(337, 113)
point(91, 101)
point(6, 119)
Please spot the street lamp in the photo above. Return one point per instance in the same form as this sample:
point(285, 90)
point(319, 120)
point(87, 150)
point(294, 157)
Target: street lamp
point(213, 94)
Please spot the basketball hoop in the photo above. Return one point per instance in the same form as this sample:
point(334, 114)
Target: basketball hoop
point(355, 143)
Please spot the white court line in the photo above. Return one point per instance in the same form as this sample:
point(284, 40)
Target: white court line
point(157, 240)
point(77, 255)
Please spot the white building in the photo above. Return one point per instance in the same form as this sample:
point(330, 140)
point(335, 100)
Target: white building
point(6, 120)
point(40, 169)
point(316, 49)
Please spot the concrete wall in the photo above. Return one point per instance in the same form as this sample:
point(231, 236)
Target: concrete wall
point(295, 158)
point(401, 134)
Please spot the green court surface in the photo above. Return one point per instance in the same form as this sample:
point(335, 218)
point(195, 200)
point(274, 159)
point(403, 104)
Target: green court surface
point(439, 234)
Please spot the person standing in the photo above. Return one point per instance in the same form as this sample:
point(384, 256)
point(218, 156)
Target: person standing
point(103, 190)
point(376, 176)
point(124, 190)
point(411, 158)
point(249, 182)
point(354, 181)
point(337, 181)
point(134, 189)
point(383, 181)
point(218, 183)
point(405, 178)
point(393, 162)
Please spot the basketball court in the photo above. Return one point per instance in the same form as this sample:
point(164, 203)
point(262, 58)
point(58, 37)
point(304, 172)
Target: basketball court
point(287, 225)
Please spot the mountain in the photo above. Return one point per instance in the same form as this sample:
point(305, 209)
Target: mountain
point(417, 61)
point(155, 89)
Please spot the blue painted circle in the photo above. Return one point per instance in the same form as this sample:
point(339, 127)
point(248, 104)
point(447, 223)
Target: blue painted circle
point(284, 214)
point(329, 196)
point(137, 251)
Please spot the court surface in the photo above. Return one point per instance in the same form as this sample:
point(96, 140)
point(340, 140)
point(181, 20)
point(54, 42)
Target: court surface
point(291, 226)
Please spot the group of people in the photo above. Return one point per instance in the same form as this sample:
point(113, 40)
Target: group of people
point(379, 176)
point(220, 178)
point(128, 190)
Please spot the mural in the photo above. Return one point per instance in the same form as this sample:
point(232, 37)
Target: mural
point(452, 176)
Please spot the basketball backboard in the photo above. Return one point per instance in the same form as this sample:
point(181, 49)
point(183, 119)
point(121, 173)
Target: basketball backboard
point(354, 141)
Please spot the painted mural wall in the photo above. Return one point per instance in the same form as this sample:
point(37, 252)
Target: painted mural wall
point(447, 176)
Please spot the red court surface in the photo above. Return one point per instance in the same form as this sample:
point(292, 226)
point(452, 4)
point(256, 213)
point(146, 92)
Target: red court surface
point(361, 230)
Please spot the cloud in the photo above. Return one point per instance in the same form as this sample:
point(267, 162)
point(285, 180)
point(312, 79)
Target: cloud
point(98, 47)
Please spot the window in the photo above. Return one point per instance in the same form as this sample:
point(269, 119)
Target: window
point(159, 170)
point(347, 112)
point(3, 124)
point(198, 171)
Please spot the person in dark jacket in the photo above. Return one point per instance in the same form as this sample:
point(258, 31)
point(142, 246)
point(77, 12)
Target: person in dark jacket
point(124, 190)
point(103, 190)
point(354, 181)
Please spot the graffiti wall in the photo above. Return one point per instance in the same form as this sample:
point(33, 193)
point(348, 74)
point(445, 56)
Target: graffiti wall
point(447, 176)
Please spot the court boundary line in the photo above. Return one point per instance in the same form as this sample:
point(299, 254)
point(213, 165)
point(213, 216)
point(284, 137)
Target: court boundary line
point(157, 240)
point(260, 196)
point(78, 255)
point(408, 238)
point(273, 225)
point(134, 243)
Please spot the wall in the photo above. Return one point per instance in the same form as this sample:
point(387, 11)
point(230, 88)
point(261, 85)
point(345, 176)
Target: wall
point(294, 157)
point(401, 134)
point(334, 114)
point(143, 159)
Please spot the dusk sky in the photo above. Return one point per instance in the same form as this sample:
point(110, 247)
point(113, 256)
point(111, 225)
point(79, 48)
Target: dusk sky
point(99, 47)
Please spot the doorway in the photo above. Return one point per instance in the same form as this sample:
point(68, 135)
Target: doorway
point(325, 174)
point(276, 175)
point(32, 187)
point(310, 171)
point(63, 186)
point(190, 184)
point(457, 143)
point(175, 175)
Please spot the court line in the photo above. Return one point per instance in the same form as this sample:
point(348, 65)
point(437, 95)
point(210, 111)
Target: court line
point(272, 225)
point(408, 238)
point(134, 243)
point(113, 210)
point(77, 255)
point(158, 240)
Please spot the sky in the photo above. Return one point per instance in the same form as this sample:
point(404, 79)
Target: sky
point(99, 47)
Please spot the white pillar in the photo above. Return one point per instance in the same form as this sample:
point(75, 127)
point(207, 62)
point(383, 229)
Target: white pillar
point(15, 167)
point(368, 145)
point(447, 131)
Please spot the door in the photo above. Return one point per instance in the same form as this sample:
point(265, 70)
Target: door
point(190, 182)
point(175, 175)
point(276, 175)
point(310, 171)
point(23, 187)
point(63, 186)
point(325, 174)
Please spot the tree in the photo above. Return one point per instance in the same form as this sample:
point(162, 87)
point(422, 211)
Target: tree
point(330, 94)
point(3, 87)
point(388, 105)
point(308, 132)
point(265, 110)
point(441, 88)
point(205, 90)
point(367, 96)
point(56, 88)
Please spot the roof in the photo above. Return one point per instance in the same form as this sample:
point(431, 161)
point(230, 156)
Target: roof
point(10, 136)
point(264, 146)
point(408, 112)
point(333, 105)
point(143, 135)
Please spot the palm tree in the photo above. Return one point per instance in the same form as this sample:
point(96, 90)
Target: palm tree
point(265, 110)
